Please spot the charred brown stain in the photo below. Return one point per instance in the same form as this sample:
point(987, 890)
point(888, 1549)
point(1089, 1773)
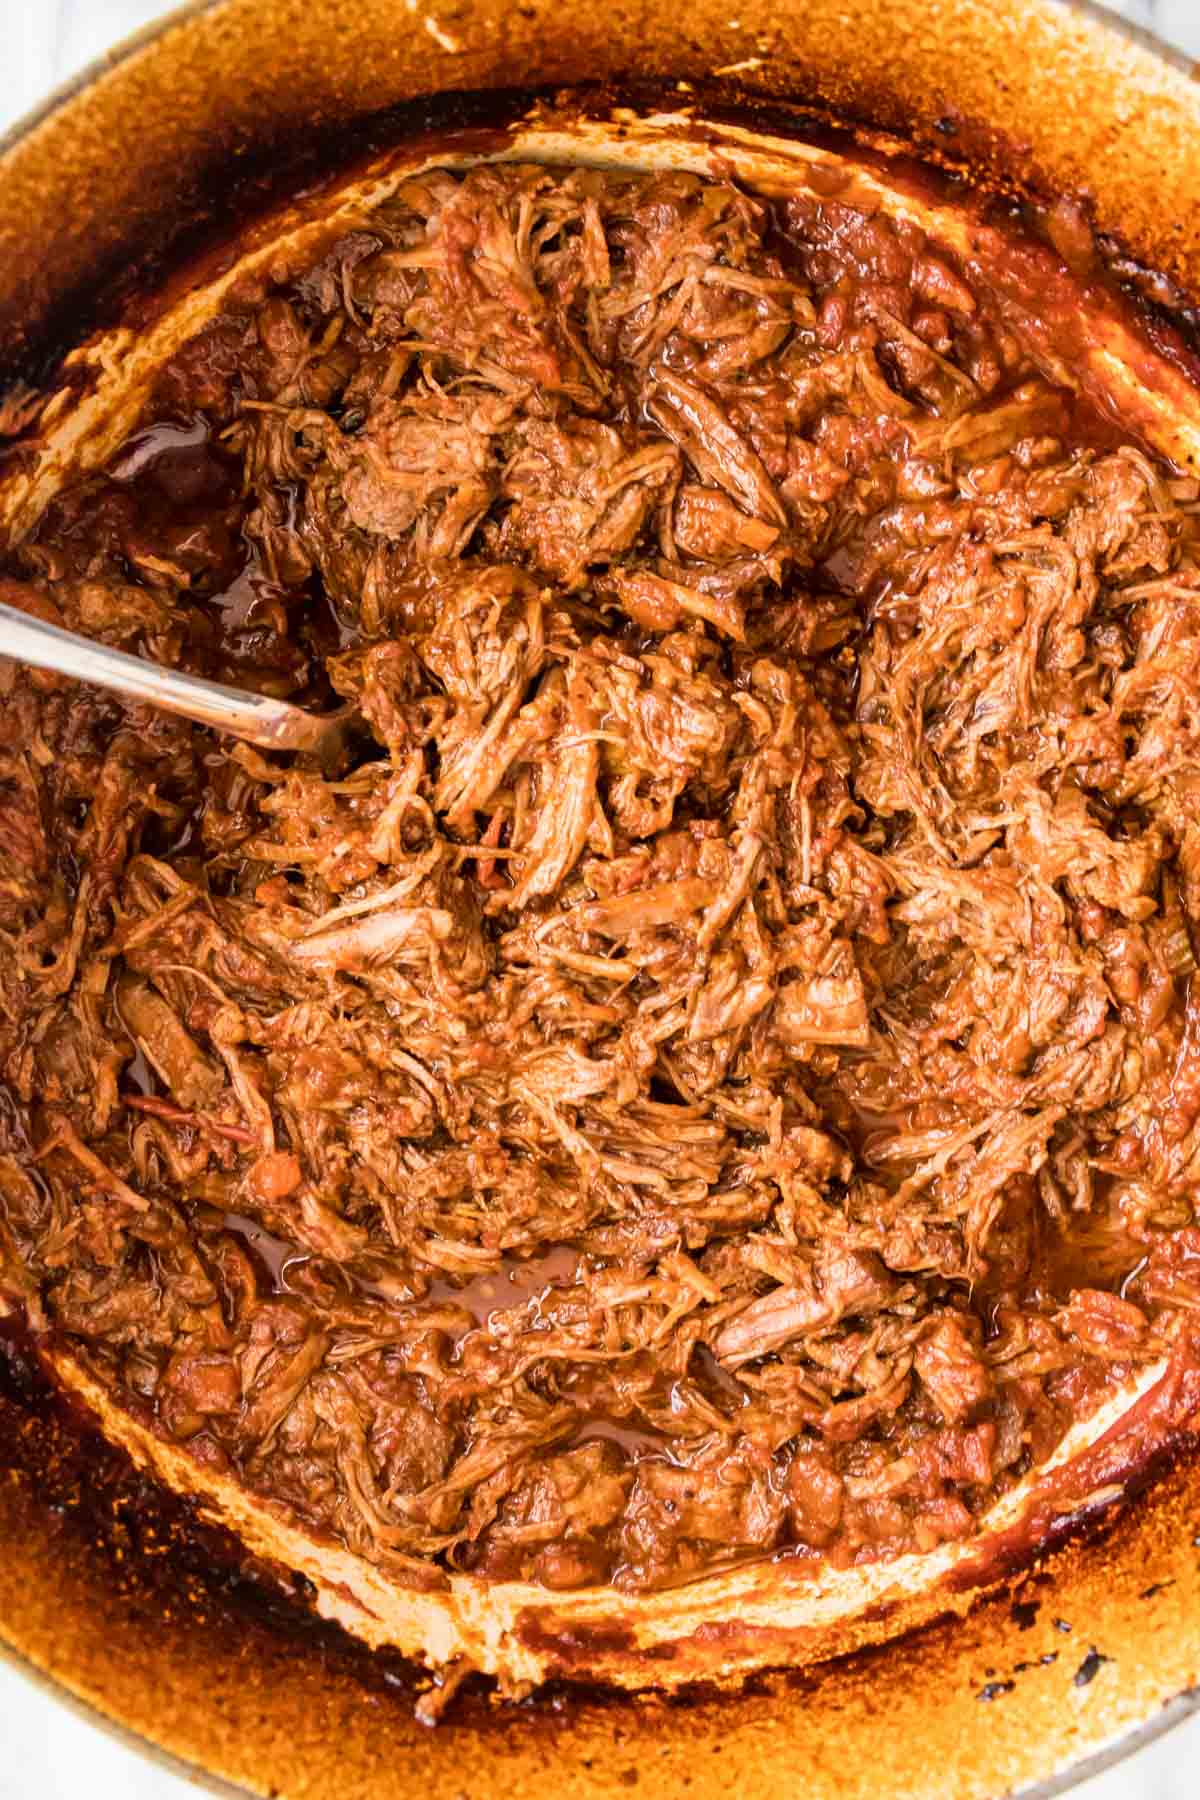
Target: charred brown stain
point(224, 194)
point(574, 1643)
point(1158, 1428)
point(239, 185)
point(158, 1592)
point(133, 1518)
point(95, 1488)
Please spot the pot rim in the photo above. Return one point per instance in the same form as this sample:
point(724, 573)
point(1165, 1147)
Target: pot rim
point(1127, 1743)
point(128, 46)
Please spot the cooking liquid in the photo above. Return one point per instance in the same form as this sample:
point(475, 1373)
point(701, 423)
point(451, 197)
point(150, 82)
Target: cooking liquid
point(176, 457)
point(513, 1285)
point(639, 1442)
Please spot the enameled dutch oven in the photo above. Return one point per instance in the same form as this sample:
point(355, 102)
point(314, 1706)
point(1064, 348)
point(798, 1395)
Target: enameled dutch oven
point(133, 179)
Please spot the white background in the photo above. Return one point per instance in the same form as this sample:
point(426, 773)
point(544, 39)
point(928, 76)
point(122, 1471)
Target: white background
point(46, 1753)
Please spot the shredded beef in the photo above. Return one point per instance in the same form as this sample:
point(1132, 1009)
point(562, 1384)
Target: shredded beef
point(718, 1069)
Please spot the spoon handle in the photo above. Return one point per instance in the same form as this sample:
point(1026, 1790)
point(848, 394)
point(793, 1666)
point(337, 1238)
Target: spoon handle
point(272, 724)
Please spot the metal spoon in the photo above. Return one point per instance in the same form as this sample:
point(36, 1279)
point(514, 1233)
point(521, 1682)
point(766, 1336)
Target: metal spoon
point(272, 724)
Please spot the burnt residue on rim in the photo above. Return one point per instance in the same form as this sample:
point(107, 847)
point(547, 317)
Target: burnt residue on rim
point(959, 160)
point(151, 1537)
point(246, 1686)
point(164, 1558)
point(173, 1570)
point(162, 1555)
point(240, 184)
point(236, 185)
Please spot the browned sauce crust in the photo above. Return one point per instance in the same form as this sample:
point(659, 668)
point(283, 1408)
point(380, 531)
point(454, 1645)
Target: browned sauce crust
point(719, 1069)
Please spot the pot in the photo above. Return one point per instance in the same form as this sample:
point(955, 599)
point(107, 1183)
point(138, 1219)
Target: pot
point(117, 207)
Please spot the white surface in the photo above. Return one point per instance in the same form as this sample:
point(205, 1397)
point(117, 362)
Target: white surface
point(46, 1753)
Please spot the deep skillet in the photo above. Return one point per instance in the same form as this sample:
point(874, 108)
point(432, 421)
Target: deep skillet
point(1098, 1655)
